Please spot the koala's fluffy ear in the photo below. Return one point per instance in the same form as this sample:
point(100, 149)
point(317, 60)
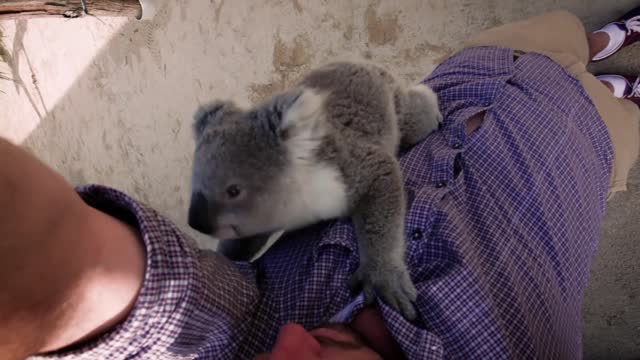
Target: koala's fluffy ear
point(296, 112)
point(211, 114)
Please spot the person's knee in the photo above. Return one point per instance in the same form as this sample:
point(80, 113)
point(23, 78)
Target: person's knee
point(568, 19)
point(564, 15)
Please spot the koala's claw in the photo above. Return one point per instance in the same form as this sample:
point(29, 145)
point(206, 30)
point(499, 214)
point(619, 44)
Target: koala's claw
point(393, 286)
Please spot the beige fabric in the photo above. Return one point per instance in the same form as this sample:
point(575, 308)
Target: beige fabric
point(561, 36)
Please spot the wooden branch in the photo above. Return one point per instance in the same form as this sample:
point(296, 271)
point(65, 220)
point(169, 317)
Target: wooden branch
point(12, 9)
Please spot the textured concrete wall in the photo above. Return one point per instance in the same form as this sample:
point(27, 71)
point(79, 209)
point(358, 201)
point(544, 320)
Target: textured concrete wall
point(110, 100)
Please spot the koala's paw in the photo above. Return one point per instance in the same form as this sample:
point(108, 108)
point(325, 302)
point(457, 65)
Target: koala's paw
point(393, 285)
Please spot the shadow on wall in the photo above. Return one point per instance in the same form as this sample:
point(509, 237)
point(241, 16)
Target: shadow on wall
point(126, 120)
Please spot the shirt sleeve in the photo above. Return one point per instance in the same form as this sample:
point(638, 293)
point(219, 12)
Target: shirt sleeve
point(190, 302)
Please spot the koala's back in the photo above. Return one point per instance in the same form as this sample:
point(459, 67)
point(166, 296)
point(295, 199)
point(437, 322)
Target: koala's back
point(360, 102)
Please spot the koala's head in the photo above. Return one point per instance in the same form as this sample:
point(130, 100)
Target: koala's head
point(241, 179)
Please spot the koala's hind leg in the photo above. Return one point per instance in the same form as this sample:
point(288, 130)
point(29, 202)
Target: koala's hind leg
point(243, 249)
point(418, 114)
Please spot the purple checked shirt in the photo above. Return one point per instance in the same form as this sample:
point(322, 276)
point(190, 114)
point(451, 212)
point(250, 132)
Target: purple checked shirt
point(501, 229)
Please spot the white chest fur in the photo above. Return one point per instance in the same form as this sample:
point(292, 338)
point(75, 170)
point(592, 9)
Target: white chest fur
point(317, 190)
point(319, 194)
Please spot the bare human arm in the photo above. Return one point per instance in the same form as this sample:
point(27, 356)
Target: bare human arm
point(67, 271)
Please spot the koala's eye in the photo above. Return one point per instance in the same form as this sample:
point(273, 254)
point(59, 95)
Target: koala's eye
point(233, 191)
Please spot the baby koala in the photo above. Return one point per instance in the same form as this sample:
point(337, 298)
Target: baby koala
point(324, 149)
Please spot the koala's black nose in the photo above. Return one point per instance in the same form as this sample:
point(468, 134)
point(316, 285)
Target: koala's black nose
point(199, 213)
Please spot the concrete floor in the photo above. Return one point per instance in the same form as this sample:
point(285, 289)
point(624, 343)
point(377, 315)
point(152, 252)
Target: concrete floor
point(110, 100)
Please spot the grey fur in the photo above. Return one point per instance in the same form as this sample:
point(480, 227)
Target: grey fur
point(321, 150)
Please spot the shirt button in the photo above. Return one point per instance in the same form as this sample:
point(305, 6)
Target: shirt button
point(441, 184)
point(417, 234)
point(456, 145)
